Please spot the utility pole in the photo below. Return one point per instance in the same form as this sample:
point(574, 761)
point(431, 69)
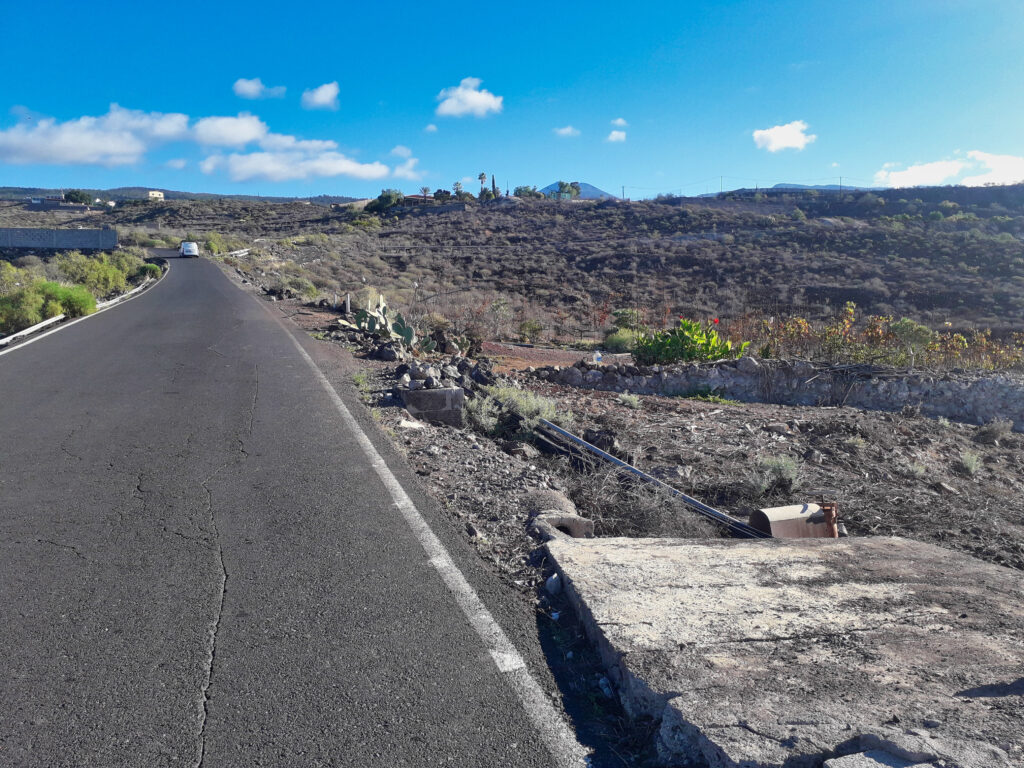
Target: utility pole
point(623, 192)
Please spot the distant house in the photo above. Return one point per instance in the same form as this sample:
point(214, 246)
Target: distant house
point(418, 199)
point(156, 195)
point(53, 203)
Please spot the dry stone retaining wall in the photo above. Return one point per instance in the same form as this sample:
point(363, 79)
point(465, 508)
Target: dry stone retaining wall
point(977, 398)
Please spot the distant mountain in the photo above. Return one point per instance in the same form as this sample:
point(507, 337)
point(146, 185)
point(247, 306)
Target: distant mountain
point(784, 187)
point(142, 193)
point(587, 192)
point(832, 187)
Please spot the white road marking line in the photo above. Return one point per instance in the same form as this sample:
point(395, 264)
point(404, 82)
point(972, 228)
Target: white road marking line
point(555, 732)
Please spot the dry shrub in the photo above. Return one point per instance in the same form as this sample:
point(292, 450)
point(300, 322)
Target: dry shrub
point(990, 433)
point(621, 505)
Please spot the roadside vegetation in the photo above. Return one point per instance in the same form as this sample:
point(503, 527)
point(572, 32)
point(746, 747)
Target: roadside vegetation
point(33, 289)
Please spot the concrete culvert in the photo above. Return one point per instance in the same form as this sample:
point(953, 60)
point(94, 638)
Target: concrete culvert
point(538, 501)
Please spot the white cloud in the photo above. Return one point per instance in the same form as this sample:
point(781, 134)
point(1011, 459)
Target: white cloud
point(120, 137)
point(920, 175)
point(789, 136)
point(567, 131)
point(322, 97)
point(280, 142)
point(255, 89)
point(289, 166)
point(617, 136)
point(835, 165)
point(431, 128)
point(401, 151)
point(1000, 169)
point(211, 163)
point(981, 168)
point(230, 131)
point(407, 170)
point(620, 121)
point(468, 98)
point(176, 163)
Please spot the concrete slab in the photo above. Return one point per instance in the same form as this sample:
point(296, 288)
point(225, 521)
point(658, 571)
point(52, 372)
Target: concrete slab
point(788, 652)
point(873, 759)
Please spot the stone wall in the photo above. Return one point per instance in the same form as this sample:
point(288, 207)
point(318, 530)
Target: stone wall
point(973, 398)
point(53, 239)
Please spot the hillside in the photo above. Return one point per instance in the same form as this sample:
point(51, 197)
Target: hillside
point(938, 255)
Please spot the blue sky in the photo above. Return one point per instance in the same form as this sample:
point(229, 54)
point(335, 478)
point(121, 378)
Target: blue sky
point(656, 97)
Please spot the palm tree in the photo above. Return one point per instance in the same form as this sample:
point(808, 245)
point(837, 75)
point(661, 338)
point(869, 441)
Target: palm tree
point(483, 180)
point(425, 191)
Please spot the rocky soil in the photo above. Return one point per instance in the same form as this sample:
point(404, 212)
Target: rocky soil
point(952, 484)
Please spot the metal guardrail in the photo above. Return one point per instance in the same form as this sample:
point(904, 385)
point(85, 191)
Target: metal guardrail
point(29, 331)
point(738, 527)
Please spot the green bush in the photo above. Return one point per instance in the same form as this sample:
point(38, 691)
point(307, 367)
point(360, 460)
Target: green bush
point(217, 243)
point(127, 260)
point(386, 199)
point(73, 300)
point(21, 309)
point(149, 272)
point(99, 274)
point(530, 329)
point(77, 301)
point(620, 340)
point(690, 341)
point(52, 309)
point(302, 286)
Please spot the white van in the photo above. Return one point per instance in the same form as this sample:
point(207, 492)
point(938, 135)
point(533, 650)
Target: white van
point(189, 251)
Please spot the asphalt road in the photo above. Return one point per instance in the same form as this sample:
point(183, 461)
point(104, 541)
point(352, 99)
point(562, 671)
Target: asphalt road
point(198, 566)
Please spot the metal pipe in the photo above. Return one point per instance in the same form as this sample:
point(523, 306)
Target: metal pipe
point(737, 526)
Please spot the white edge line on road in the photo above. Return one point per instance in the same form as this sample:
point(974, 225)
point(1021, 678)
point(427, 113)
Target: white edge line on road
point(62, 326)
point(555, 732)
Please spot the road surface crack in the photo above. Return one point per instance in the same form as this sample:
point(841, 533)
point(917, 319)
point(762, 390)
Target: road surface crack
point(64, 445)
point(252, 412)
point(62, 546)
point(255, 397)
point(215, 622)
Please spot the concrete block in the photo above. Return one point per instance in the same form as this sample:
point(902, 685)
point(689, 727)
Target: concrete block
point(437, 405)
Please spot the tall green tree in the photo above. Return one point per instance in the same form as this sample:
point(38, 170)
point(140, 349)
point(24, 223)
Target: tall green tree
point(78, 196)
